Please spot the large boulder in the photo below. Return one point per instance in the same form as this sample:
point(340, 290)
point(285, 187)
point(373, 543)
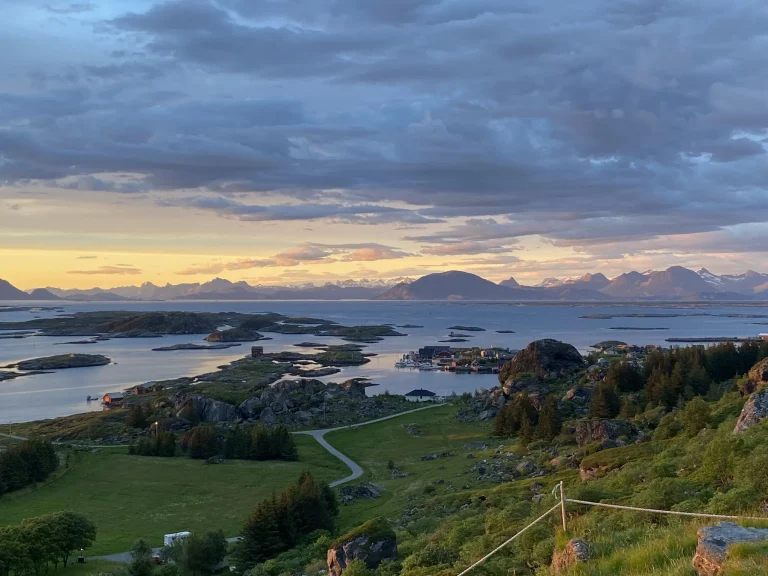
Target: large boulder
point(251, 408)
point(755, 409)
point(365, 491)
point(371, 543)
point(575, 551)
point(603, 431)
point(542, 358)
point(207, 409)
point(714, 542)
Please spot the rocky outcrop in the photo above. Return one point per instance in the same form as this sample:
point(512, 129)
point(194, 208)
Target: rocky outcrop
point(371, 543)
point(607, 432)
point(575, 551)
point(543, 358)
point(61, 361)
point(714, 542)
point(757, 377)
point(207, 409)
point(753, 412)
point(234, 335)
point(365, 491)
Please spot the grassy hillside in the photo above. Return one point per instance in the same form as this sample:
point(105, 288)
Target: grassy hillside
point(131, 496)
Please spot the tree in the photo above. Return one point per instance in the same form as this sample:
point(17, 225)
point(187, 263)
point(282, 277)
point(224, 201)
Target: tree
point(624, 377)
point(605, 402)
point(502, 425)
point(261, 535)
point(550, 422)
point(72, 531)
point(197, 555)
point(202, 442)
point(526, 430)
point(141, 559)
point(13, 551)
point(39, 536)
point(136, 417)
point(695, 416)
point(357, 568)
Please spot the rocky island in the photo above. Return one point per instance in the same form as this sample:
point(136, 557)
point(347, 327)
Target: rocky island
point(61, 361)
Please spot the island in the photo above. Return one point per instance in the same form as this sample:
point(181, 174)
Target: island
point(410, 326)
point(61, 362)
point(192, 346)
point(240, 327)
point(637, 328)
point(466, 328)
point(505, 331)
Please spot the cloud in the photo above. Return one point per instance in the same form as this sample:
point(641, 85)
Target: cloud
point(306, 253)
point(595, 123)
point(86, 257)
point(74, 8)
point(123, 270)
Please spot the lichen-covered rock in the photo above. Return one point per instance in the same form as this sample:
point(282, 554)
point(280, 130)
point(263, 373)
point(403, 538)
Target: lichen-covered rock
point(575, 551)
point(542, 358)
point(755, 409)
point(714, 542)
point(268, 417)
point(371, 543)
point(604, 431)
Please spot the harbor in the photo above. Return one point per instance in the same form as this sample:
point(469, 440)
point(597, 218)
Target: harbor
point(456, 360)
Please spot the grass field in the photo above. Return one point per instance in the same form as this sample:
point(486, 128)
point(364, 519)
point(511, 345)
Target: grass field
point(372, 446)
point(131, 496)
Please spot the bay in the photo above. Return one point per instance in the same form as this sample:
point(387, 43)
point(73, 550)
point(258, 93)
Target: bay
point(64, 392)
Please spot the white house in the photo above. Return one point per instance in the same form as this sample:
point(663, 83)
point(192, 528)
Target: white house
point(420, 395)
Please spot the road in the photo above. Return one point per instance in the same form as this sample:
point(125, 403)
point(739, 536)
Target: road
point(125, 557)
point(356, 469)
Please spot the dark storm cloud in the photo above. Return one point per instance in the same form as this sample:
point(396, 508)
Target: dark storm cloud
point(586, 122)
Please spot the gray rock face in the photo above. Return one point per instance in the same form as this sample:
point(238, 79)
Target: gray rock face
point(753, 412)
point(576, 551)
point(268, 417)
point(589, 431)
point(372, 550)
point(713, 545)
point(209, 410)
point(757, 376)
point(251, 408)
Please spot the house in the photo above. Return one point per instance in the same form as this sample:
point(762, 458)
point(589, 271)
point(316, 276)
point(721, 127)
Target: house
point(146, 388)
point(420, 395)
point(112, 398)
point(429, 352)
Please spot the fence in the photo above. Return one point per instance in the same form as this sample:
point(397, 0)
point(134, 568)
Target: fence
point(564, 500)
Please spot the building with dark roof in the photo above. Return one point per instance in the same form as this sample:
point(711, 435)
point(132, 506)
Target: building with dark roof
point(420, 395)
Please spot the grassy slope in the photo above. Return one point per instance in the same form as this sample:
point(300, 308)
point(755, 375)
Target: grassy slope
point(130, 496)
point(374, 445)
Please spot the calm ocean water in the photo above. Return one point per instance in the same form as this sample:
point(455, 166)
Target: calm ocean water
point(64, 392)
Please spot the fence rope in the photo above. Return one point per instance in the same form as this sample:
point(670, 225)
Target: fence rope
point(492, 552)
point(672, 512)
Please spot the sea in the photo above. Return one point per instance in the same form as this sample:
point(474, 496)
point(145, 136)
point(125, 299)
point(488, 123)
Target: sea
point(65, 392)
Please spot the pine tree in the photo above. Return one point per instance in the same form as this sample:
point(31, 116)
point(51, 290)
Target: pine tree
point(502, 426)
point(261, 537)
point(605, 402)
point(526, 430)
point(550, 422)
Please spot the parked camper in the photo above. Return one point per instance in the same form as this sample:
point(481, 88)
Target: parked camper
point(169, 539)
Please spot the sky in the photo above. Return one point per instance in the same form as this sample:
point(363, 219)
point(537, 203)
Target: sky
point(290, 141)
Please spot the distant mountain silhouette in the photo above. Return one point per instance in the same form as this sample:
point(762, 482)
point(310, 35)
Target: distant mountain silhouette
point(42, 294)
point(9, 292)
point(455, 285)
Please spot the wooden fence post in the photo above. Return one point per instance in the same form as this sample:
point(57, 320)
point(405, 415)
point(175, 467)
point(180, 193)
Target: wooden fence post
point(562, 504)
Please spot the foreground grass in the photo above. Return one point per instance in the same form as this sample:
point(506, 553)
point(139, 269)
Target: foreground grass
point(374, 445)
point(128, 497)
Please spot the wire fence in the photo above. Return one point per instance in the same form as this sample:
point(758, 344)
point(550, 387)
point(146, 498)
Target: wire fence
point(561, 505)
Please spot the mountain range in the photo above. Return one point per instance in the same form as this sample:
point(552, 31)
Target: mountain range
point(675, 283)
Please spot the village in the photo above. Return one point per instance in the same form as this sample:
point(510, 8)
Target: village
point(456, 360)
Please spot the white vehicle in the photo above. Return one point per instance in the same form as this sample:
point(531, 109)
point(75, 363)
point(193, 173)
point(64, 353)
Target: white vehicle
point(169, 539)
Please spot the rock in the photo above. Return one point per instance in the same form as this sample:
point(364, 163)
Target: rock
point(714, 541)
point(365, 491)
point(542, 357)
point(575, 551)
point(578, 394)
point(396, 474)
point(251, 407)
point(436, 455)
point(525, 467)
point(216, 460)
point(470, 455)
point(589, 431)
point(208, 410)
point(371, 543)
point(755, 409)
point(475, 446)
point(757, 376)
point(268, 417)
point(412, 429)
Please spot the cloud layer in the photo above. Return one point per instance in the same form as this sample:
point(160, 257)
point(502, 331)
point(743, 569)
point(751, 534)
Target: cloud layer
point(605, 128)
